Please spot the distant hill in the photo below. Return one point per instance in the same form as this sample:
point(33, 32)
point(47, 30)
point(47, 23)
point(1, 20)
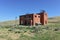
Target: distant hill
point(54, 19)
point(13, 22)
point(10, 22)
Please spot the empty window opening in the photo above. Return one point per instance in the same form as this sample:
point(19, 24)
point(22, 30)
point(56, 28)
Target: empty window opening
point(38, 16)
point(35, 16)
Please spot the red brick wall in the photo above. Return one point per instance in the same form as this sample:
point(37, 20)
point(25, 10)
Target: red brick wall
point(44, 18)
point(36, 19)
point(32, 19)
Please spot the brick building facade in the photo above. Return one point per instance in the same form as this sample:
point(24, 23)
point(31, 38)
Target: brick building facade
point(33, 19)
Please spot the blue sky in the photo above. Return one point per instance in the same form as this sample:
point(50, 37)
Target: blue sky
point(9, 9)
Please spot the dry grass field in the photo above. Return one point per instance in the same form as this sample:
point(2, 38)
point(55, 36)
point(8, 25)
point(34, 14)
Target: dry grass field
point(51, 31)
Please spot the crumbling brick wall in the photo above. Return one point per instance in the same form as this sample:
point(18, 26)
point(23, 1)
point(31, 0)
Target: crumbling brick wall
point(32, 19)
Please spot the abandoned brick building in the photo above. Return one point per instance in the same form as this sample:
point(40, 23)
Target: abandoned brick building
point(33, 19)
